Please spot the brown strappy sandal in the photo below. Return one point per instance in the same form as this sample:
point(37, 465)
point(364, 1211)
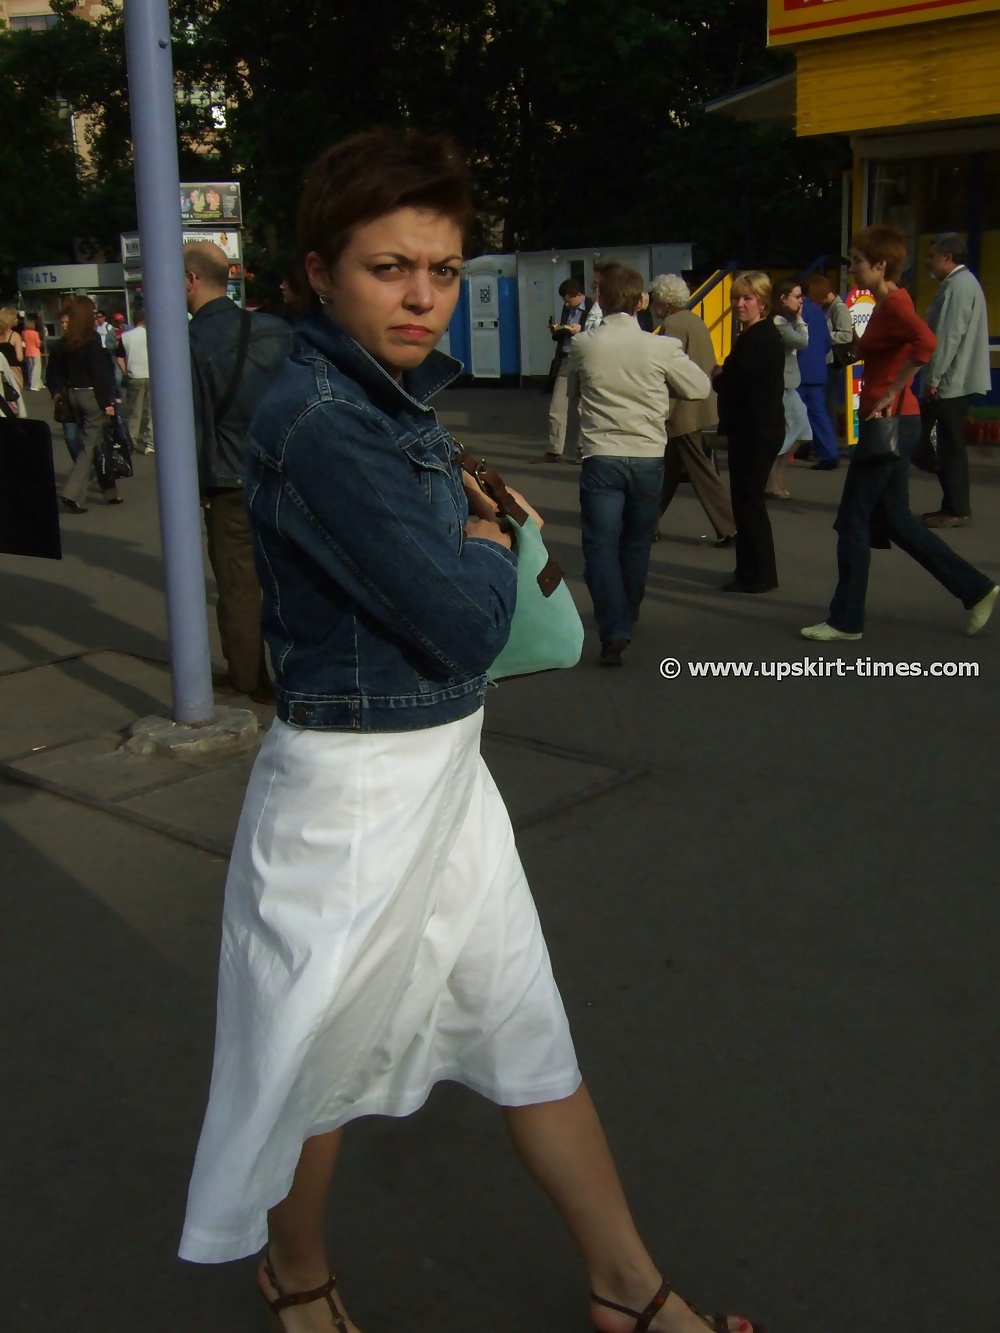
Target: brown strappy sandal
point(325, 1292)
point(717, 1323)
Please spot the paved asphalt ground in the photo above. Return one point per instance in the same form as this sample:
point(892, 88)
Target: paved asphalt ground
point(771, 907)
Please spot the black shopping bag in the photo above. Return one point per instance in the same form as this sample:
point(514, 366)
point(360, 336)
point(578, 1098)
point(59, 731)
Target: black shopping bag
point(114, 458)
point(29, 507)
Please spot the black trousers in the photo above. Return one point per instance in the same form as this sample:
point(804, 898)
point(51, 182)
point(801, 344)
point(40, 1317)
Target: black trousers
point(751, 457)
point(949, 414)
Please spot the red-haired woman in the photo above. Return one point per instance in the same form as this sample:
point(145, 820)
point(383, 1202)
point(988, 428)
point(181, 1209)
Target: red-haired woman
point(379, 935)
point(895, 345)
point(88, 379)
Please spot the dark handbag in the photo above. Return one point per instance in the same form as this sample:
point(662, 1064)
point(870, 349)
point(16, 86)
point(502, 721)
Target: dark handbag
point(113, 461)
point(29, 508)
point(878, 438)
point(61, 410)
point(845, 354)
point(925, 455)
point(546, 632)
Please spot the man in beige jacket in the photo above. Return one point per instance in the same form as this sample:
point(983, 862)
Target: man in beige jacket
point(624, 379)
point(685, 457)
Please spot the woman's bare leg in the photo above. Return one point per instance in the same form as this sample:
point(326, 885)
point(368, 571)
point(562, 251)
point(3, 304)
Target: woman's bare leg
point(297, 1246)
point(776, 481)
point(564, 1149)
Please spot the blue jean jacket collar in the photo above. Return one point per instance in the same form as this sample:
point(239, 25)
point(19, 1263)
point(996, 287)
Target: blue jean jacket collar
point(415, 389)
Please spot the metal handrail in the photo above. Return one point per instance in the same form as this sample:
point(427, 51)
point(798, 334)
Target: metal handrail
point(711, 283)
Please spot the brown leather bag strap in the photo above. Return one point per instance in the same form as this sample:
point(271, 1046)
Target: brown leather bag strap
point(491, 482)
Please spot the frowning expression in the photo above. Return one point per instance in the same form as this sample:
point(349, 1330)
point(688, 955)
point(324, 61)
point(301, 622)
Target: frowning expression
point(395, 285)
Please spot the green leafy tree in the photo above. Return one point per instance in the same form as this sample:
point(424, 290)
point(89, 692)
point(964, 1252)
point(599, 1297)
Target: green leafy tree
point(585, 123)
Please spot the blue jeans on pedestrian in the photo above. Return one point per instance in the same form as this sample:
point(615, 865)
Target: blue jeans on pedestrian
point(619, 508)
point(879, 494)
point(814, 396)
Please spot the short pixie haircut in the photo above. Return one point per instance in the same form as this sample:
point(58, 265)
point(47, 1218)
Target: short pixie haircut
point(569, 288)
point(754, 282)
point(882, 244)
point(621, 289)
point(671, 290)
point(377, 172)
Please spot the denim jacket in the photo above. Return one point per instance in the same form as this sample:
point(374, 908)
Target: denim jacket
point(380, 613)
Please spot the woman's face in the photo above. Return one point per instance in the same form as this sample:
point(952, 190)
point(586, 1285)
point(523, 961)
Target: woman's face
point(865, 273)
point(746, 307)
point(395, 285)
point(793, 301)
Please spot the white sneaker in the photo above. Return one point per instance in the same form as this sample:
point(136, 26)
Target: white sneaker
point(825, 633)
point(981, 612)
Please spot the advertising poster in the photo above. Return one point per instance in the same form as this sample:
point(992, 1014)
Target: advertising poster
point(791, 22)
point(211, 201)
point(229, 241)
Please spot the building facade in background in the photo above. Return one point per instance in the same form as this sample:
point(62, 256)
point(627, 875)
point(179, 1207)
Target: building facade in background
point(916, 85)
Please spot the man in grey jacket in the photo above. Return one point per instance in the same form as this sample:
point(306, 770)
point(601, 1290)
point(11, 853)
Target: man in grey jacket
point(959, 368)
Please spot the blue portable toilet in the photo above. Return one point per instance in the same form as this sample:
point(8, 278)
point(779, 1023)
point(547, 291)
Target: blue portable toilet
point(490, 292)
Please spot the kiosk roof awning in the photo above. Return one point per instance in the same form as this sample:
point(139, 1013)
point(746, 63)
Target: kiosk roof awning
point(769, 102)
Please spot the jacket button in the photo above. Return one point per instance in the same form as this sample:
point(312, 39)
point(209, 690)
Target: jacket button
point(300, 713)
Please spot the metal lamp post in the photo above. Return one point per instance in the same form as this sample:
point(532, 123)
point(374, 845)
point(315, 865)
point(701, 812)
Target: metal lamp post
point(154, 137)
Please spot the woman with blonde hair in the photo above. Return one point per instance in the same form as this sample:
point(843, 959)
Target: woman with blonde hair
point(751, 386)
point(12, 350)
point(89, 382)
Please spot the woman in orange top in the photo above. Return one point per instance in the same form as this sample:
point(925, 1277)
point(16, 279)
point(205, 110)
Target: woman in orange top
point(32, 353)
point(895, 346)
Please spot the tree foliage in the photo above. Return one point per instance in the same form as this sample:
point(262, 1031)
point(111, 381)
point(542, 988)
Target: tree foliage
point(583, 119)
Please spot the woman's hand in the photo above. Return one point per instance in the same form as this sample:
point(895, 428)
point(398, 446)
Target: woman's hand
point(887, 401)
point(480, 504)
point(109, 411)
point(528, 509)
point(487, 530)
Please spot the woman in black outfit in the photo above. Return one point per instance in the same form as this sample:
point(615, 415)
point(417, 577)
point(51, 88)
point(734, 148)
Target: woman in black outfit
point(751, 386)
point(89, 380)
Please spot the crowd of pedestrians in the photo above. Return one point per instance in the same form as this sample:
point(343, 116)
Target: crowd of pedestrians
point(772, 397)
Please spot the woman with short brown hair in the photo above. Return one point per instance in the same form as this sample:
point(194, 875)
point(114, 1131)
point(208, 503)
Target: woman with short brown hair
point(379, 935)
point(894, 347)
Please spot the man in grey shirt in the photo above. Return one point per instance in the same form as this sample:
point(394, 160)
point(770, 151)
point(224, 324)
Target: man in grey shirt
point(959, 368)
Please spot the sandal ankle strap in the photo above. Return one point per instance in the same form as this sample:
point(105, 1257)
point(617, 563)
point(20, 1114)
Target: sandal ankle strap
point(284, 1300)
point(643, 1318)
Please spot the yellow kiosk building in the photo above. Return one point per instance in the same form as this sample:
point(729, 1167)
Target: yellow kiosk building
point(916, 85)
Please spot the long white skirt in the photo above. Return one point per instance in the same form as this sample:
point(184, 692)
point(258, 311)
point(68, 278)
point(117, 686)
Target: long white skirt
point(378, 936)
point(797, 425)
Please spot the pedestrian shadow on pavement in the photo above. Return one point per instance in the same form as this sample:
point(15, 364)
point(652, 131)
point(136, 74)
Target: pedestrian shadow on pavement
point(28, 602)
point(120, 555)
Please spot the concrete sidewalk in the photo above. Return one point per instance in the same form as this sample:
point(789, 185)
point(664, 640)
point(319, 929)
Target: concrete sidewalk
point(770, 908)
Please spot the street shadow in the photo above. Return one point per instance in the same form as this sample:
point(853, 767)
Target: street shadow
point(73, 615)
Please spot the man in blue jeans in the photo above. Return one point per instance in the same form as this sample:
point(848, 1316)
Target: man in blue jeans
point(624, 378)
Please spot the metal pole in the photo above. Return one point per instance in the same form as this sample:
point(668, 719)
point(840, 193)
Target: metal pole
point(154, 138)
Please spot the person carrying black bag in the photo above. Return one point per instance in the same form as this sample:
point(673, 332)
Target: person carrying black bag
point(234, 358)
point(89, 383)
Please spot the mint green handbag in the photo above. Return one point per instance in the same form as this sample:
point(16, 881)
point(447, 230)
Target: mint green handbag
point(546, 632)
